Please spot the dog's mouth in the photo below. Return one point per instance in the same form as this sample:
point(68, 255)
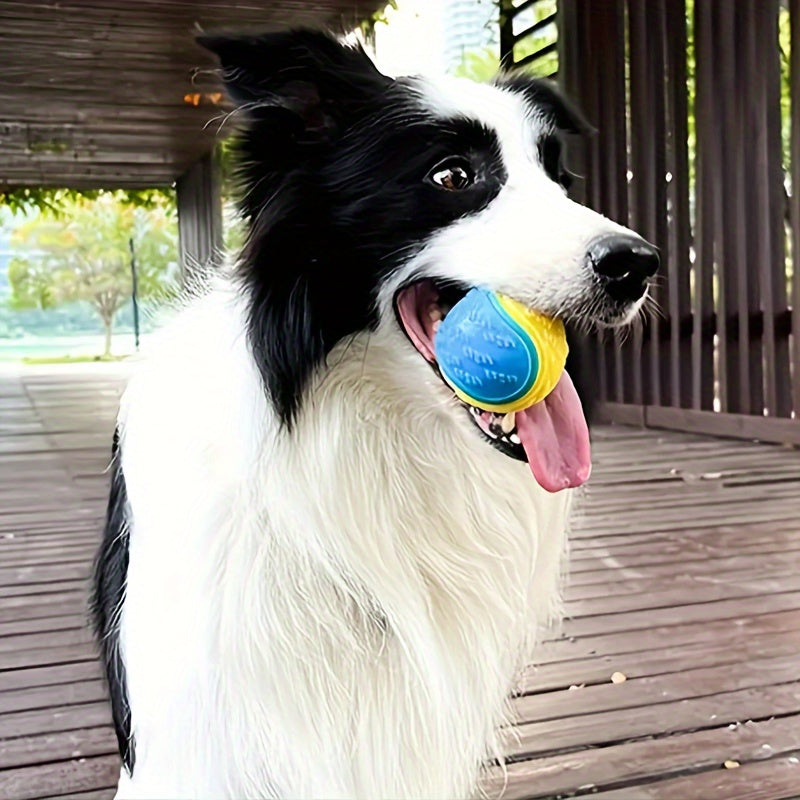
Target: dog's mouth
point(551, 436)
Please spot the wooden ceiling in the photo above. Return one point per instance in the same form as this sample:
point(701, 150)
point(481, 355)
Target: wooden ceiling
point(115, 93)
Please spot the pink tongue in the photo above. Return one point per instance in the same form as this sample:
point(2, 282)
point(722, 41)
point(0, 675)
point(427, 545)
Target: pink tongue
point(556, 438)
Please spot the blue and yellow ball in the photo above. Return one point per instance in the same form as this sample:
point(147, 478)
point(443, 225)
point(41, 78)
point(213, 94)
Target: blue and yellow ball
point(499, 355)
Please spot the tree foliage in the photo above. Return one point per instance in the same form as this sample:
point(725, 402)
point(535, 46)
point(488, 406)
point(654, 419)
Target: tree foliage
point(82, 252)
point(27, 199)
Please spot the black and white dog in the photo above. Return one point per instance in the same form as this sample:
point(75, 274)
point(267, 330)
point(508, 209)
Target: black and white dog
point(321, 571)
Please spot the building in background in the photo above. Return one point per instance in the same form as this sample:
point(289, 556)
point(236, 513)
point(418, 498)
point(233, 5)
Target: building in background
point(469, 26)
point(421, 36)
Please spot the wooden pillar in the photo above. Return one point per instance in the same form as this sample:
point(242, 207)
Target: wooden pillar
point(591, 58)
point(506, 21)
point(200, 217)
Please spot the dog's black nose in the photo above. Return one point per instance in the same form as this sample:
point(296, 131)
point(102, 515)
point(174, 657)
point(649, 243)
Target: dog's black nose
point(624, 262)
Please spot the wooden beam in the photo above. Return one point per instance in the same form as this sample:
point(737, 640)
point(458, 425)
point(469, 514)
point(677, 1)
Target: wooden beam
point(794, 13)
point(711, 423)
point(200, 217)
point(104, 82)
point(706, 199)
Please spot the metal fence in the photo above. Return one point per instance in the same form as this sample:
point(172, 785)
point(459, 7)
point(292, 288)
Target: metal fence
point(697, 106)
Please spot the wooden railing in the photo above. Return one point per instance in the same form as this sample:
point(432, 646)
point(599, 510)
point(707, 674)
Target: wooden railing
point(692, 110)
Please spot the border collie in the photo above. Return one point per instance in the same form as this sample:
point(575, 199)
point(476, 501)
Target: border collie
point(321, 571)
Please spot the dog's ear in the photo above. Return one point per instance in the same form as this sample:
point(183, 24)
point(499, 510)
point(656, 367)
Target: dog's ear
point(308, 73)
point(297, 91)
point(547, 98)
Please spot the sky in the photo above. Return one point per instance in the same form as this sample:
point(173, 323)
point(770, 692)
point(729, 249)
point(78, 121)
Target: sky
point(412, 40)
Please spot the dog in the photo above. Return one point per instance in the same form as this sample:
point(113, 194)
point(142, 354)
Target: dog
point(321, 571)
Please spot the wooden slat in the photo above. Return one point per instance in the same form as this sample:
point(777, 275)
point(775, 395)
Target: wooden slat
point(654, 690)
point(739, 425)
point(74, 693)
point(565, 648)
point(767, 25)
point(54, 718)
point(722, 64)
point(671, 656)
point(59, 778)
point(630, 763)
point(774, 779)
point(767, 208)
point(47, 676)
point(749, 397)
point(707, 198)
point(617, 165)
point(602, 91)
point(577, 80)
point(656, 194)
point(61, 746)
point(677, 164)
point(742, 426)
point(754, 175)
point(794, 17)
point(713, 712)
point(648, 202)
point(675, 596)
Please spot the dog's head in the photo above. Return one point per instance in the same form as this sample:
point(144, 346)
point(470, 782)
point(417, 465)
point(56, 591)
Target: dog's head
point(375, 201)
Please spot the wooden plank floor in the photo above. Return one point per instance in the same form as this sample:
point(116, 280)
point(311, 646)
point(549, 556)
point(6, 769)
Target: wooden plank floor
point(685, 579)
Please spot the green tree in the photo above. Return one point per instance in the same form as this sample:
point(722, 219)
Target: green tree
point(25, 199)
point(82, 252)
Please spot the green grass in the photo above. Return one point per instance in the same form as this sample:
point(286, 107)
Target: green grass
point(69, 359)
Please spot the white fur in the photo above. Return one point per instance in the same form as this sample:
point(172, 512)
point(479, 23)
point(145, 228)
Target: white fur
point(340, 611)
point(336, 613)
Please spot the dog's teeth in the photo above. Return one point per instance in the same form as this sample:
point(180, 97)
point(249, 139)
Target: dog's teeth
point(436, 325)
point(508, 423)
point(514, 438)
point(435, 314)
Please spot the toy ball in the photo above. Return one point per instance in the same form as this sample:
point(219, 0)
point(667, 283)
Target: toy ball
point(497, 354)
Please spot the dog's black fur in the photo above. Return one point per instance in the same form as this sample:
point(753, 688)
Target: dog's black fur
point(110, 571)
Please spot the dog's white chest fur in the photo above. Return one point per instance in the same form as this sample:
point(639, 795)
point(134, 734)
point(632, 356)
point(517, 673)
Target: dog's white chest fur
point(336, 612)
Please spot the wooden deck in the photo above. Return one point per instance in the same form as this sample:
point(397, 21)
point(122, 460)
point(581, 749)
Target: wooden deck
point(685, 579)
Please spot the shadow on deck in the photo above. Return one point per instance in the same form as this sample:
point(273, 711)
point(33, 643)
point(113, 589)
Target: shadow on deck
point(685, 587)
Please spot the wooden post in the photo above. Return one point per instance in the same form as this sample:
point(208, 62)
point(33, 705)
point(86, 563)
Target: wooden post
point(706, 201)
point(794, 11)
point(200, 217)
point(506, 33)
point(588, 351)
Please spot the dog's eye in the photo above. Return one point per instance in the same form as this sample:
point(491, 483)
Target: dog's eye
point(453, 176)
